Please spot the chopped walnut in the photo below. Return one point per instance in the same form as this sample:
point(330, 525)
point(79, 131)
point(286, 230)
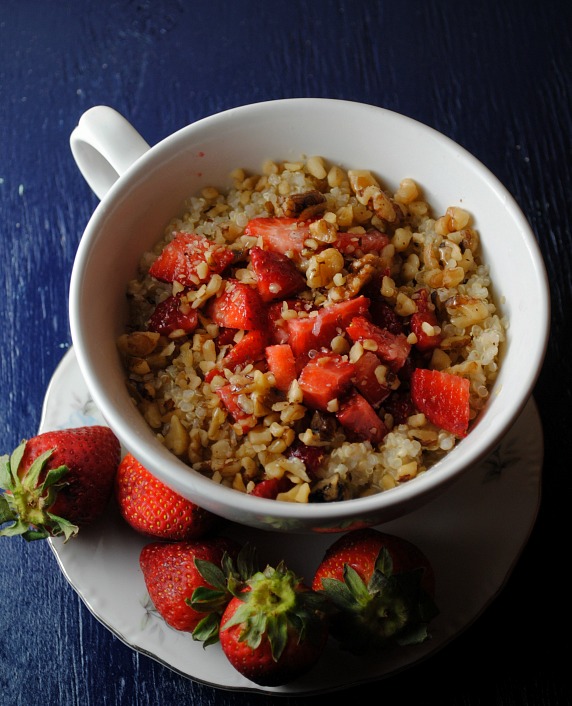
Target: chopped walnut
point(304, 206)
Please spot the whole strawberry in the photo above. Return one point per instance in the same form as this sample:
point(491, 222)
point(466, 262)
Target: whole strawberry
point(382, 587)
point(58, 481)
point(189, 582)
point(154, 509)
point(274, 630)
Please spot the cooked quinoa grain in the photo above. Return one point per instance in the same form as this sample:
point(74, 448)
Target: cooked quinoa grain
point(276, 332)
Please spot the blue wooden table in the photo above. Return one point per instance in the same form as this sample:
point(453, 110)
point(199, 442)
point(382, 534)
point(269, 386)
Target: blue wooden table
point(494, 76)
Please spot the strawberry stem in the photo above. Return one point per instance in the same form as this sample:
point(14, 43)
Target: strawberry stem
point(272, 603)
point(26, 500)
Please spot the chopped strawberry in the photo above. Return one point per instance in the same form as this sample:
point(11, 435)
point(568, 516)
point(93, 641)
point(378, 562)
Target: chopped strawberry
point(276, 275)
point(283, 235)
point(282, 365)
point(250, 349)
point(443, 398)
point(311, 456)
point(173, 314)
point(270, 487)
point(359, 418)
point(300, 336)
point(423, 321)
point(226, 336)
point(392, 348)
point(229, 397)
point(361, 243)
point(313, 333)
point(367, 381)
point(279, 326)
point(191, 260)
point(239, 306)
point(400, 405)
point(324, 379)
point(385, 316)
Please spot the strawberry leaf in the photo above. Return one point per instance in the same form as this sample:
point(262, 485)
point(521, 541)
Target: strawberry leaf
point(339, 594)
point(356, 585)
point(413, 635)
point(15, 458)
point(31, 477)
point(384, 562)
point(53, 476)
point(206, 630)
point(207, 600)
point(6, 512)
point(278, 635)
point(61, 526)
point(31, 535)
point(6, 479)
point(211, 573)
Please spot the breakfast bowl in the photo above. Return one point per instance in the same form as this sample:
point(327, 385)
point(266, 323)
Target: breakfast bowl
point(378, 187)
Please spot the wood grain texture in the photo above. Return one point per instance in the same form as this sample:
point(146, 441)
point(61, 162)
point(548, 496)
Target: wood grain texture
point(495, 76)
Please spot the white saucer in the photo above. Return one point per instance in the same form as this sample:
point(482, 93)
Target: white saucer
point(473, 535)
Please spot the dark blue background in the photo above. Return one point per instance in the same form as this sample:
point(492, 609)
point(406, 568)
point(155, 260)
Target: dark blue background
point(495, 76)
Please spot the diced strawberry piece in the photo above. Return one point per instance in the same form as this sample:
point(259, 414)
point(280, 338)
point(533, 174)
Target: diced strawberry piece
point(313, 333)
point(271, 487)
point(212, 373)
point(311, 456)
point(400, 405)
point(361, 243)
point(282, 365)
point(229, 398)
point(333, 319)
point(226, 336)
point(366, 380)
point(300, 336)
point(325, 378)
point(392, 348)
point(191, 260)
point(360, 419)
point(279, 326)
point(239, 306)
point(384, 316)
point(173, 314)
point(422, 321)
point(283, 235)
point(276, 275)
point(443, 398)
point(249, 349)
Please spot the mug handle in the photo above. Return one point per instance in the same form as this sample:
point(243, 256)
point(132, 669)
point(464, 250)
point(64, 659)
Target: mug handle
point(104, 145)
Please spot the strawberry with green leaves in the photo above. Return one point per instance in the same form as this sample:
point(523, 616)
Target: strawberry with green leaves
point(275, 630)
point(190, 582)
point(155, 510)
point(58, 482)
point(382, 587)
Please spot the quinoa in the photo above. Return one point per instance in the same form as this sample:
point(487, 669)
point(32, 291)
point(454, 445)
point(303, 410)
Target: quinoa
point(272, 440)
